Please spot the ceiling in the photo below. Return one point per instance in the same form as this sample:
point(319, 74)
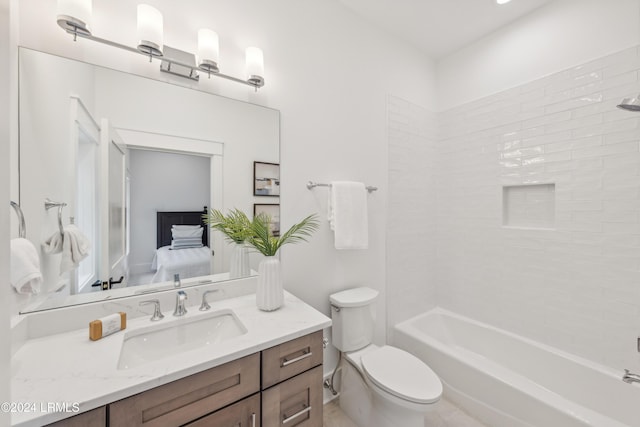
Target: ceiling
point(441, 27)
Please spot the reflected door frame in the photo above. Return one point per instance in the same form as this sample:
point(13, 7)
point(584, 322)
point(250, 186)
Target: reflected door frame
point(145, 140)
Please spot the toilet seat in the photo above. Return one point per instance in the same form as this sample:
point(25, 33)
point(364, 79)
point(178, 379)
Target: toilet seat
point(402, 375)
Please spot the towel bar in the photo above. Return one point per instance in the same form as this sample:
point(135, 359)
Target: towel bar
point(312, 184)
point(48, 204)
point(22, 226)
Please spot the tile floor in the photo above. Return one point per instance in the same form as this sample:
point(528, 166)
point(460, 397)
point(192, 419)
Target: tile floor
point(445, 415)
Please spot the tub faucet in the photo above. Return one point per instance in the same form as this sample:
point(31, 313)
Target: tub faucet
point(176, 280)
point(180, 310)
point(629, 378)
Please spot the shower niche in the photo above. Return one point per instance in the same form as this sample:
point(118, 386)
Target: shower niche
point(529, 206)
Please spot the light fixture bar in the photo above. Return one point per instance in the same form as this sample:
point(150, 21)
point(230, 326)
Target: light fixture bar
point(254, 83)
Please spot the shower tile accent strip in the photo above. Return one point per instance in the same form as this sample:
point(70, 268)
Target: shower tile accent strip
point(577, 287)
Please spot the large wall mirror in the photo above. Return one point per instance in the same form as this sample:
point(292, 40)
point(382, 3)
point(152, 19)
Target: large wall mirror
point(133, 163)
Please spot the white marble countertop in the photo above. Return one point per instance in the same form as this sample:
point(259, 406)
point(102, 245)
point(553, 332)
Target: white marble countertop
point(68, 368)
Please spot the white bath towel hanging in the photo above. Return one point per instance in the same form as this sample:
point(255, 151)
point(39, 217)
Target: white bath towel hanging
point(73, 245)
point(348, 216)
point(25, 277)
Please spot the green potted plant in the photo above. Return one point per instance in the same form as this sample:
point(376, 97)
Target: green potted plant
point(270, 293)
point(236, 227)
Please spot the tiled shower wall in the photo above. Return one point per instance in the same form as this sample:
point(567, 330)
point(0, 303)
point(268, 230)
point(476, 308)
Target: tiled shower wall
point(575, 286)
point(411, 224)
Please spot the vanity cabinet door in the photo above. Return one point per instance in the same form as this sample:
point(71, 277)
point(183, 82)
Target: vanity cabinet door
point(94, 418)
point(189, 398)
point(295, 402)
point(245, 413)
point(291, 358)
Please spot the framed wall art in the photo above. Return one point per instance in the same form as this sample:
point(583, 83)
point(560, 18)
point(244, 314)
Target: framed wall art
point(266, 179)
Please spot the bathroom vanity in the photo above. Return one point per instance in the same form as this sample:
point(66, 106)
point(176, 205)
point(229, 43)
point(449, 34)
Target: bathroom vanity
point(270, 374)
point(286, 380)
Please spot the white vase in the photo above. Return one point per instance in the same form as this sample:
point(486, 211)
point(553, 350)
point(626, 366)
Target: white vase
point(269, 294)
point(239, 266)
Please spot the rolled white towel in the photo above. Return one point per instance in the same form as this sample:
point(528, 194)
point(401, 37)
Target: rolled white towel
point(26, 277)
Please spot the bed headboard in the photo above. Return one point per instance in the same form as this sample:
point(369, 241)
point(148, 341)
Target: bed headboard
point(165, 220)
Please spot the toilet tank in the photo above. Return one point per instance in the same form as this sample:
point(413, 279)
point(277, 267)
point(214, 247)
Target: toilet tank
point(352, 318)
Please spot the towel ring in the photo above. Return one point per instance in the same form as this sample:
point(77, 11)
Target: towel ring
point(22, 226)
point(48, 204)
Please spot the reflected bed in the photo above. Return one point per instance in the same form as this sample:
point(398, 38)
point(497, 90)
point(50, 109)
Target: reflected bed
point(187, 262)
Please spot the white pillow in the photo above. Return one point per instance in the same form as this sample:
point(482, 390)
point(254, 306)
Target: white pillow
point(185, 227)
point(187, 233)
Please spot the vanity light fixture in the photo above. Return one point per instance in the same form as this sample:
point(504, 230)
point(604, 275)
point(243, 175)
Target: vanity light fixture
point(74, 16)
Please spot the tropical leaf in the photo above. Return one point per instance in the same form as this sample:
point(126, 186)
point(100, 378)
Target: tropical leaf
point(268, 245)
point(235, 225)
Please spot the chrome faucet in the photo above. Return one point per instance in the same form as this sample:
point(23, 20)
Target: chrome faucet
point(205, 305)
point(176, 280)
point(180, 310)
point(629, 378)
point(157, 314)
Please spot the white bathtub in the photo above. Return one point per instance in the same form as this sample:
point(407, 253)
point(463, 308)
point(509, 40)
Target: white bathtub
point(509, 381)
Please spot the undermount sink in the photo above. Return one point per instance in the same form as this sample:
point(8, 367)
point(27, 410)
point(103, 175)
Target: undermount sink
point(159, 341)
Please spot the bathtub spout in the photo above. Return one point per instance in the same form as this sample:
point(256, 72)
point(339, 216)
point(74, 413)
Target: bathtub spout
point(629, 378)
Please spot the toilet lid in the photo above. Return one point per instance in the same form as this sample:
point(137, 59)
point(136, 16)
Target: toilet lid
point(402, 374)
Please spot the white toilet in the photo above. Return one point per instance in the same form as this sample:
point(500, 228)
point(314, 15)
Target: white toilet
point(380, 386)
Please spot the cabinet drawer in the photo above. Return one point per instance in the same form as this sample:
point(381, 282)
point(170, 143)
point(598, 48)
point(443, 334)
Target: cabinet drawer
point(295, 402)
point(93, 418)
point(291, 358)
point(245, 413)
point(189, 398)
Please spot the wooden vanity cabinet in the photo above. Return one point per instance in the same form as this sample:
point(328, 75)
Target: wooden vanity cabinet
point(292, 383)
point(94, 418)
point(294, 402)
point(185, 400)
point(245, 413)
point(280, 386)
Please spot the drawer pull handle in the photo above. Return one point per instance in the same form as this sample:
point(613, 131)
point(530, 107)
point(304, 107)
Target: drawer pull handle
point(296, 415)
point(286, 362)
point(253, 420)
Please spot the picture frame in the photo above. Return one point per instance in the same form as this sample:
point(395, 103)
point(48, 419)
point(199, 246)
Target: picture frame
point(273, 210)
point(266, 179)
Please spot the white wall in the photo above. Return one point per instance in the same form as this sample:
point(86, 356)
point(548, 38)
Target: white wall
point(162, 182)
point(326, 70)
point(559, 35)
point(5, 117)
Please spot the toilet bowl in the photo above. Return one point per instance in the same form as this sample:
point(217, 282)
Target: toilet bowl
point(380, 386)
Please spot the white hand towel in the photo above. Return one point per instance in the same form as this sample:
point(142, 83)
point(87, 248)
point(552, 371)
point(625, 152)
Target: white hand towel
point(26, 276)
point(53, 245)
point(75, 248)
point(73, 245)
point(348, 215)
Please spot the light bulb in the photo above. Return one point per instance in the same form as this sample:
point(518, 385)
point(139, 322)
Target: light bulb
point(208, 50)
point(150, 31)
point(74, 16)
point(255, 66)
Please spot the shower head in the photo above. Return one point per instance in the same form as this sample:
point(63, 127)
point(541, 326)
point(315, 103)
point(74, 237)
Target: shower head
point(630, 104)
